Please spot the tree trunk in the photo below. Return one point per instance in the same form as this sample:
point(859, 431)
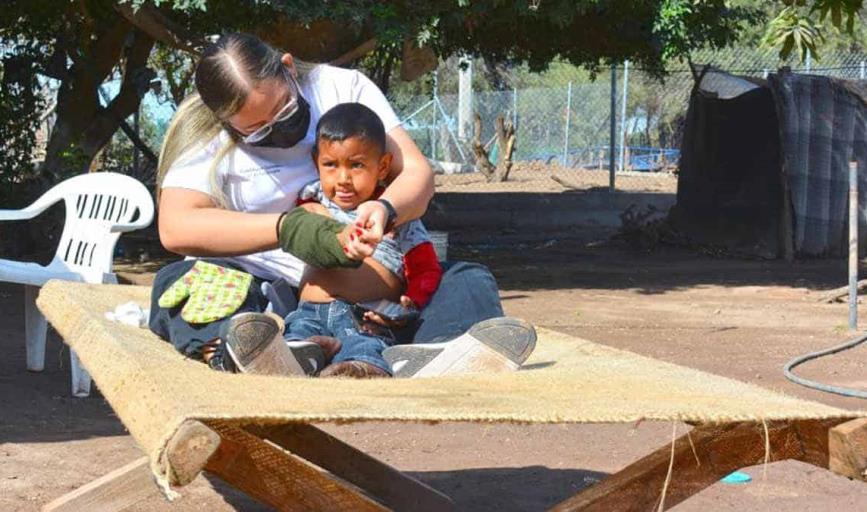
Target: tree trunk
point(505, 145)
point(83, 125)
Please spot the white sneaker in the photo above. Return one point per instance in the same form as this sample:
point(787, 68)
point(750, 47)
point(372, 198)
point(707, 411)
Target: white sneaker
point(494, 345)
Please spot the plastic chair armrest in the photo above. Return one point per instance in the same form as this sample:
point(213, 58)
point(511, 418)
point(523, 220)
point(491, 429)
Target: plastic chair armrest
point(125, 228)
point(23, 214)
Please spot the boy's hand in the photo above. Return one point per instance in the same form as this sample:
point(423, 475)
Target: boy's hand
point(352, 238)
point(371, 316)
point(371, 215)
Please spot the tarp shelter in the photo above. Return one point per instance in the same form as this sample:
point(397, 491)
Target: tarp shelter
point(764, 163)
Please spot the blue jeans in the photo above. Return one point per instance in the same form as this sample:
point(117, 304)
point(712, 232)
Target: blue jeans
point(336, 319)
point(467, 294)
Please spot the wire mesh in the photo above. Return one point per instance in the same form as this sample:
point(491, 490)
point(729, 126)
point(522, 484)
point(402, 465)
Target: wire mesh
point(563, 115)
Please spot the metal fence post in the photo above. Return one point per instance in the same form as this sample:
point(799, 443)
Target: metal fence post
point(465, 98)
point(612, 128)
point(568, 116)
point(434, 133)
point(861, 74)
point(515, 107)
point(809, 61)
point(853, 245)
point(623, 113)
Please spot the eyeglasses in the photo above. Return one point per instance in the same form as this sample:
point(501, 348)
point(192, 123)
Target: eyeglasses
point(285, 113)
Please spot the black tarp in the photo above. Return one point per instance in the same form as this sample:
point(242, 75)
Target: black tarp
point(823, 126)
point(729, 190)
point(756, 152)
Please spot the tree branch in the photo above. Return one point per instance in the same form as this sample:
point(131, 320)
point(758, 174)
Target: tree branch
point(356, 53)
point(138, 142)
point(136, 77)
point(157, 25)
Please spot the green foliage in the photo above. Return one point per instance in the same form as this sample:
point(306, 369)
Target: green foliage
point(21, 105)
point(801, 28)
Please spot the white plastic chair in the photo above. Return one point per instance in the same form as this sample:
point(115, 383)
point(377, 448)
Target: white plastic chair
point(99, 207)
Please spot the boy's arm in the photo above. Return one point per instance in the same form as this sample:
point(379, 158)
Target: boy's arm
point(315, 239)
point(423, 273)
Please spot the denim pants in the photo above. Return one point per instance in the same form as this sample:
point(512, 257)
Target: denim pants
point(467, 294)
point(336, 319)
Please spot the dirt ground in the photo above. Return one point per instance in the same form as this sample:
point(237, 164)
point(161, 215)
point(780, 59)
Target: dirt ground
point(737, 318)
point(538, 177)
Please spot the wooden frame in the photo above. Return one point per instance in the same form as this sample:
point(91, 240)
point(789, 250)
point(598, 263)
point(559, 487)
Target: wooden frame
point(300, 467)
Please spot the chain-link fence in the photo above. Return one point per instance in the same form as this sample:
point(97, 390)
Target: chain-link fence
point(563, 116)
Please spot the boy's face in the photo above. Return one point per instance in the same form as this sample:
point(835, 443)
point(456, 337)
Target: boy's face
point(350, 170)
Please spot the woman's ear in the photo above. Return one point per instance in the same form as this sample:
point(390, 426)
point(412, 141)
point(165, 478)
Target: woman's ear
point(289, 62)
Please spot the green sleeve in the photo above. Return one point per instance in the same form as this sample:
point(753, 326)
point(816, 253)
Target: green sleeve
point(312, 238)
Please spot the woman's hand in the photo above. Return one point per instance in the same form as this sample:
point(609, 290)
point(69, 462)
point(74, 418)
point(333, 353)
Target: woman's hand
point(371, 216)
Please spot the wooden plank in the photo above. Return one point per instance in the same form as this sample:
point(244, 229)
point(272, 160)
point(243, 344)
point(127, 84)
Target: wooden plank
point(189, 450)
point(381, 481)
point(277, 478)
point(847, 446)
point(114, 491)
point(720, 449)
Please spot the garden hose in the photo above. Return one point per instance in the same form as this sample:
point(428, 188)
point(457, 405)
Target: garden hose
point(837, 390)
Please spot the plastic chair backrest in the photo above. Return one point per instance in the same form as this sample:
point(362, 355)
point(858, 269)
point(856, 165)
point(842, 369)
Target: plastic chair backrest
point(96, 203)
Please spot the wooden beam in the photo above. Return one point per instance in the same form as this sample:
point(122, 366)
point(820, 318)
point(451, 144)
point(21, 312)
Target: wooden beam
point(280, 479)
point(381, 481)
point(189, 450)
point(719, 450)
point(847, 445)
point(114, 491)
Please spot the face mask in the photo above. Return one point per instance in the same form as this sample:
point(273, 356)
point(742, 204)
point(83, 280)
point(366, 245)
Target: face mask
point(289, 132)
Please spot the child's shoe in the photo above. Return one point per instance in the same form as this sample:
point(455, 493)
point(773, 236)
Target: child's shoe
point(254, 343)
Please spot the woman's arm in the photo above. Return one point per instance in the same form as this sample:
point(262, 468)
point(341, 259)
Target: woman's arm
point(410, 191)
point(190, 223)
point(412, 185)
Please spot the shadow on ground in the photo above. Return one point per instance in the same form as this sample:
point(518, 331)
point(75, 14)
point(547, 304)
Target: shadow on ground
point(509, 489)
point(479, 489)
point(569, 260)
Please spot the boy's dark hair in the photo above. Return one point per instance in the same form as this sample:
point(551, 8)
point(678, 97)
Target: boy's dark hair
point(350, 120)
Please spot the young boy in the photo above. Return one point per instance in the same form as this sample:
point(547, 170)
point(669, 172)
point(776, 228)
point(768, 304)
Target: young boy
point(352, 161)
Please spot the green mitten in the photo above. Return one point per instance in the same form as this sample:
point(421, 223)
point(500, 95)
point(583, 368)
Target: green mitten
point(214, 292)
point(312, 238)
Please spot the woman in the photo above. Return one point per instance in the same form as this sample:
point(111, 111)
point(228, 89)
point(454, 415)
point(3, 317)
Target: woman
point(233, 161)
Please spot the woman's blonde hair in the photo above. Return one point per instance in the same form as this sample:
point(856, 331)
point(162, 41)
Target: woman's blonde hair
point(226, 73)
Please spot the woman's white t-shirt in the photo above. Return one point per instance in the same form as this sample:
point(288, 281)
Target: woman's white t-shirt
point(268, 180)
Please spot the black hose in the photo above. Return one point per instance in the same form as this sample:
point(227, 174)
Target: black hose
point(787, 370)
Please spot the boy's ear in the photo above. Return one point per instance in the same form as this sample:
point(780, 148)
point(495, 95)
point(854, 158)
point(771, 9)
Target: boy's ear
point(384, 166)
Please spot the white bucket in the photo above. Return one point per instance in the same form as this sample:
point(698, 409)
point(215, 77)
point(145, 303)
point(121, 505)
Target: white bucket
point(440, 241)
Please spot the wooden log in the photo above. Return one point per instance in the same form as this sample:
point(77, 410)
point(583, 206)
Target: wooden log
point(838, 293)
point(720, 449)
point(381, 481)
point(114, 491)
point(279, 479)
point(847, 446)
